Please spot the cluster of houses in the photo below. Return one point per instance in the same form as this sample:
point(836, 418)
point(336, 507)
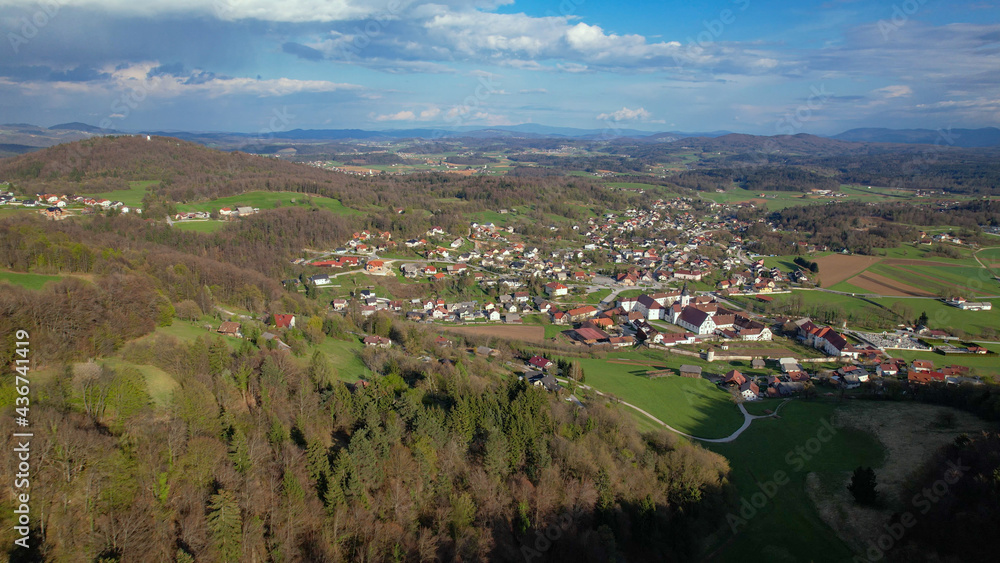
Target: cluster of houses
point(224, 213)
point(926, 239)
point(966, 305)
point(55, 205)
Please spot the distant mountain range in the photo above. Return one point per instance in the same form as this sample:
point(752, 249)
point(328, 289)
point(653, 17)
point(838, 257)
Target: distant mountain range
point(19, 138)
point(968, 138)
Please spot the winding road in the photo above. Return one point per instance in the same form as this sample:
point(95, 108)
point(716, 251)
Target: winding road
point(747, 417)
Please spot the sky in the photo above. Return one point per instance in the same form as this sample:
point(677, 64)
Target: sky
point(750, 66)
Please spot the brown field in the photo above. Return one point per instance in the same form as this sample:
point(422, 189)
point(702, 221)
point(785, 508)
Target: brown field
point(836, 268)
point(526, 333)
point(885, 286)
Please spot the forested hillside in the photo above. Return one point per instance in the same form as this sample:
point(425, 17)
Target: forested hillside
point(260, 457)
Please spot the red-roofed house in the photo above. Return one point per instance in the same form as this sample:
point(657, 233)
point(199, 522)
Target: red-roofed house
point(582, 313)
point(375, 267)
point(887, 369)
point(284, 321)
point(734, 376)
point(924, 377)
point(377, 341)
point(540, 362)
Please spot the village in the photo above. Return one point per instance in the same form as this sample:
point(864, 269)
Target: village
point(663, 297)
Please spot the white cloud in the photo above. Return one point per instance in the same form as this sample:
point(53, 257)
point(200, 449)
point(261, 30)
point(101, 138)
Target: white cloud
point(626, 114)
point(894, 91)
point(398, 116)
point(408, 115)
point(230, 10)
point(137, 79)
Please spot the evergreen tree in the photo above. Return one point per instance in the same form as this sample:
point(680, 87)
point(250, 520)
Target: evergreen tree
point(226, 525)
point(863, 486)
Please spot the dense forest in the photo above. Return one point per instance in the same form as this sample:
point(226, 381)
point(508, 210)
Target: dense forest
point(766, 178)
point(259, 457)
point(864, 227)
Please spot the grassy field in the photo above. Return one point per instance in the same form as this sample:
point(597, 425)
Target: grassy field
point(787, 262)
point(200, 226)
point(131, 197)
point(973, 280)
point(598, 296)
point(990, 255)
point(159, 384)
point(344, 357)
point(849, 288)
point(634, 186)
point(810, 298)
point(269, 200)
point(551, 330)
point(943, 316)
point(788, 527)
point(30, 281)
point(695, 406)
point(775, 200)
point(921, 252)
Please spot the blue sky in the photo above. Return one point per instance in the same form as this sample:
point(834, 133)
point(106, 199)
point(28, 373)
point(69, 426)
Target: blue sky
point(753, 66)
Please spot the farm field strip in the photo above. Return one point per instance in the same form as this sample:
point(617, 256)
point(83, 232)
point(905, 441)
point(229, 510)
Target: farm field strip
point(876, 283)
point(939, 278)
point(837, 268)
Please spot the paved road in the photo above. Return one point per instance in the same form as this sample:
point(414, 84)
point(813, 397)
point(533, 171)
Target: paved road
point(747, 418)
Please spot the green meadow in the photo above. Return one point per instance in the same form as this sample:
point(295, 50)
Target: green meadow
point(269, 200)
point(30, 281)
point(775, 519)
point(131, 197)
point(694, 406)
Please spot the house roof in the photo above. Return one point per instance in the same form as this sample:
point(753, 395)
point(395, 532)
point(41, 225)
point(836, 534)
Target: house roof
point(694, 316)
point(734, 376)
point(540, 361)
point(586, 333)
point(283, 321)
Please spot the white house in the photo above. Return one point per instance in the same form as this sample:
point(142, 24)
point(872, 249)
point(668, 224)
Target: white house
point(697, 321)
point(556, 289)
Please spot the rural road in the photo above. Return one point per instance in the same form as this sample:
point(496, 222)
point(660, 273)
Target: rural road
point(747, 418)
